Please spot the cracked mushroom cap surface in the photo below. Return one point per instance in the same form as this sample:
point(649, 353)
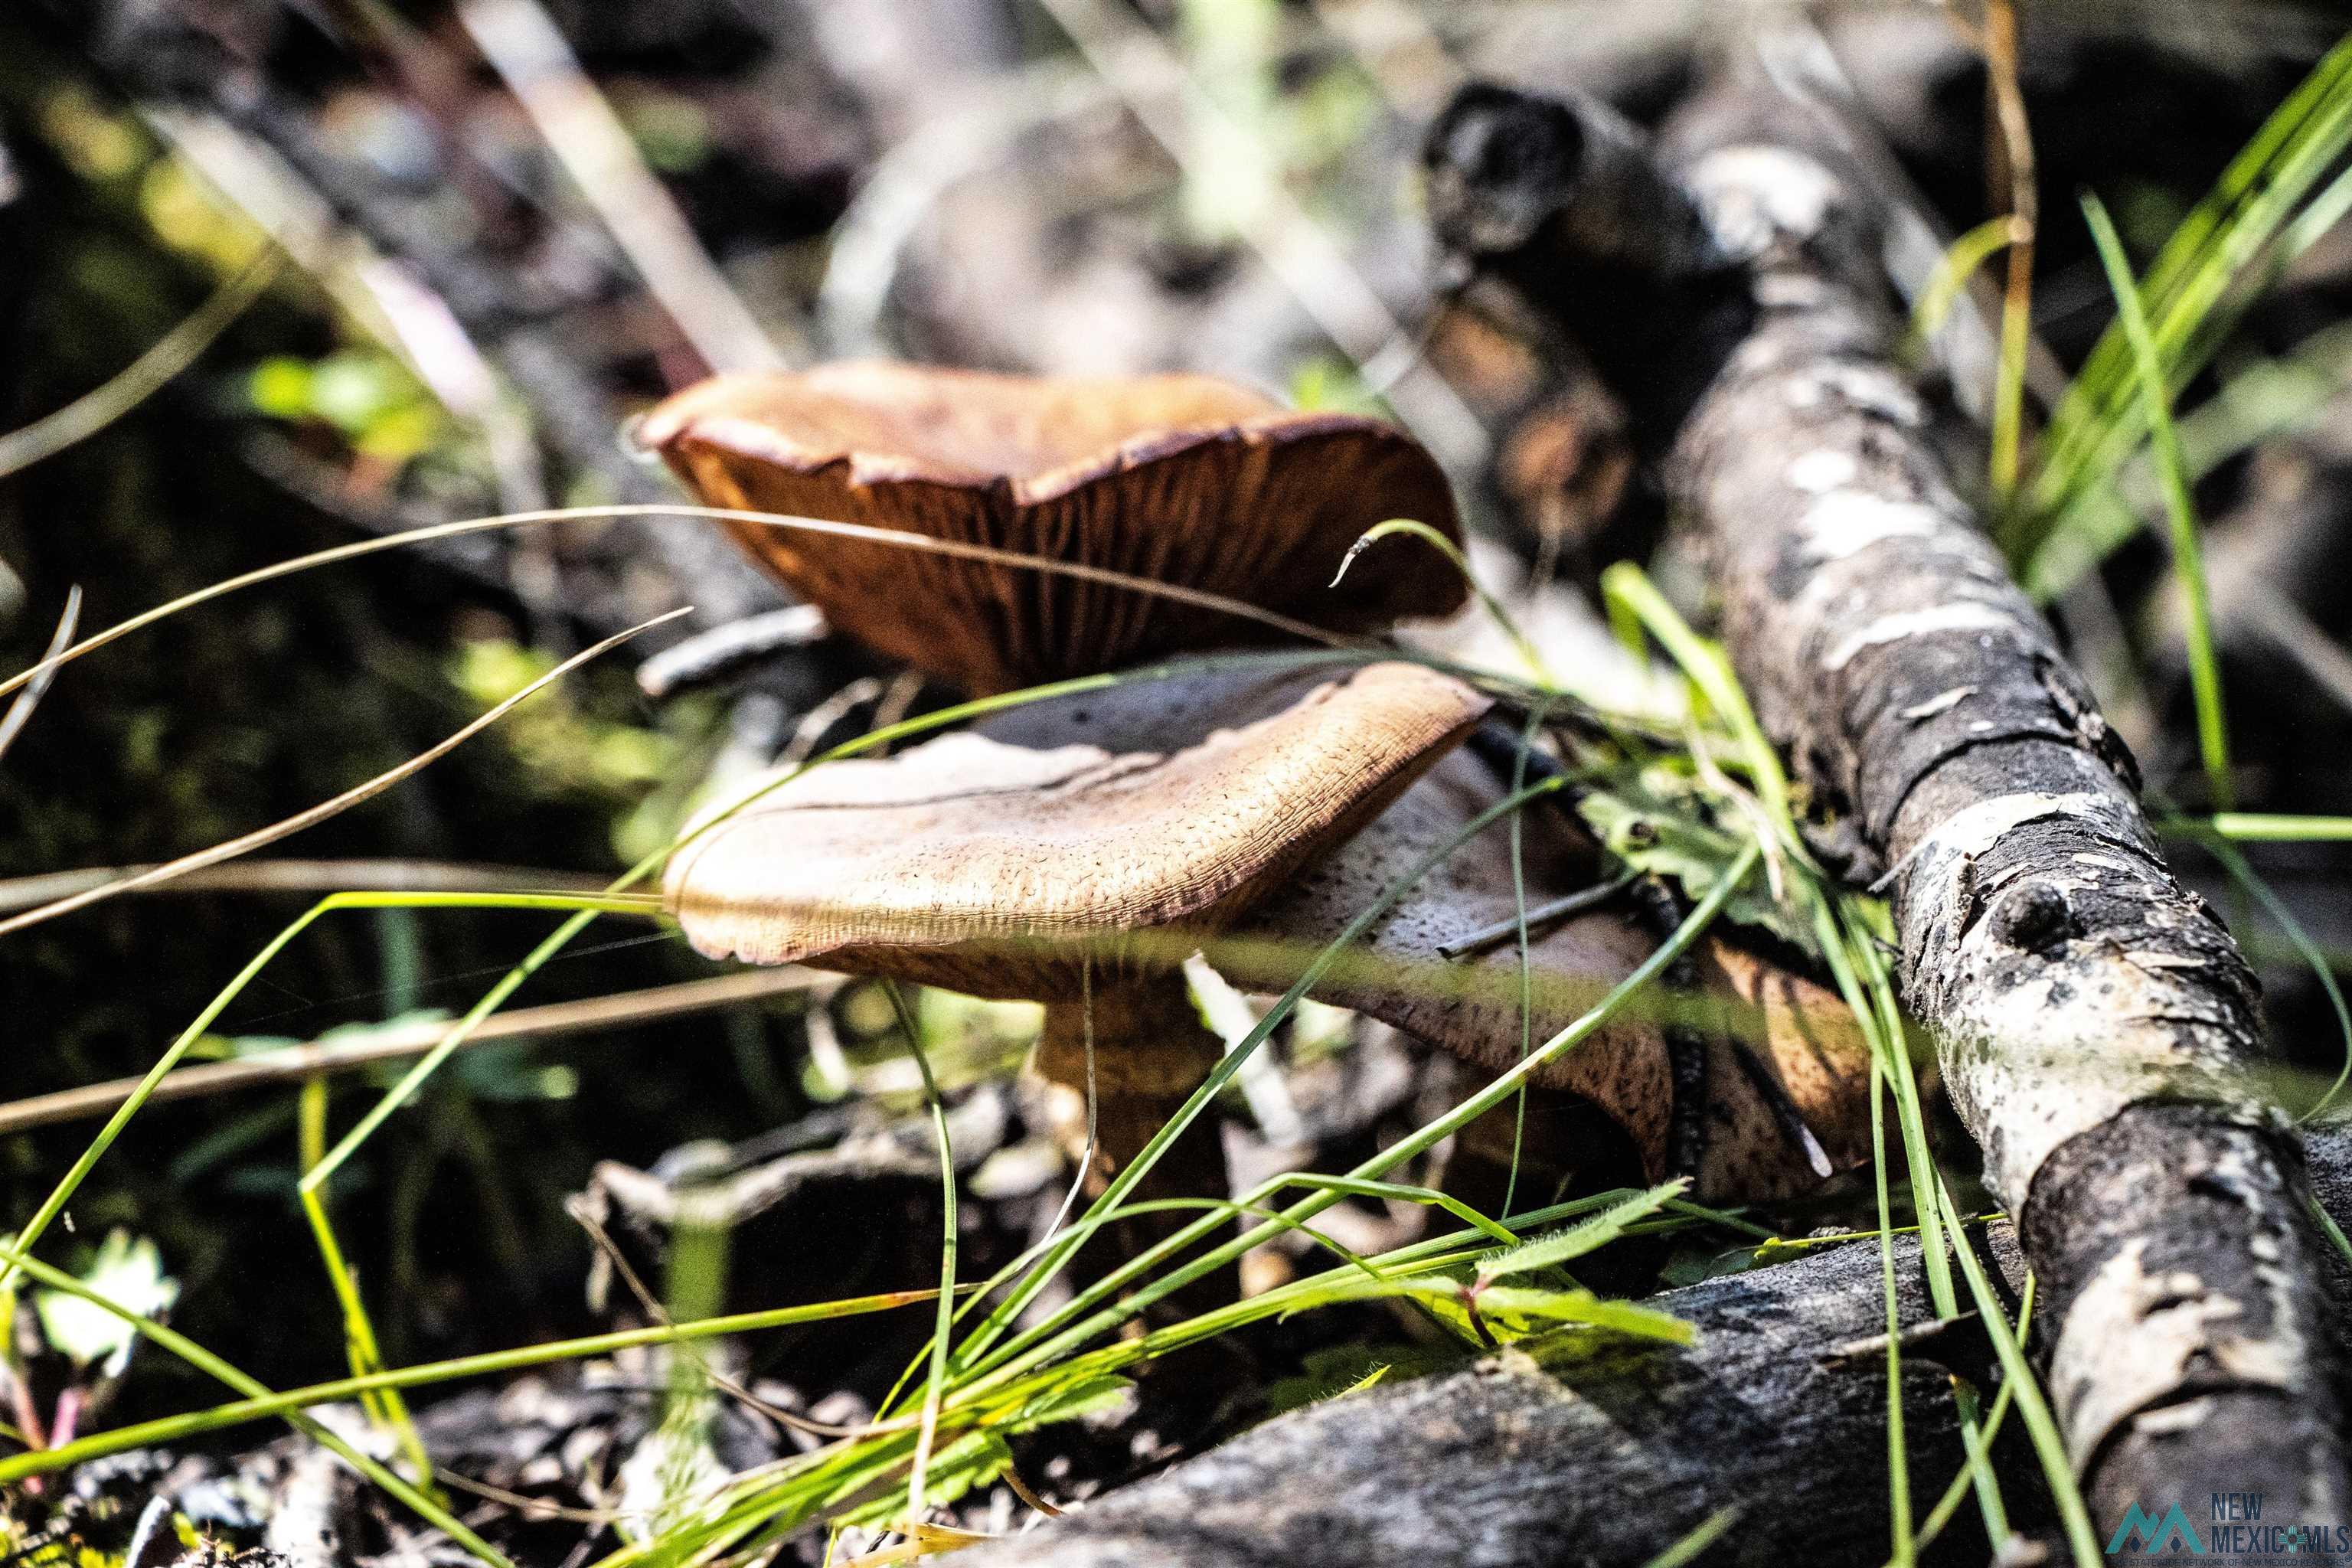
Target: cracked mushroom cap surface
point(1182, 478)
point(999, 860)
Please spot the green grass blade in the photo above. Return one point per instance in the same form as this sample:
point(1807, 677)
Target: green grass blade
point(1562, 1245)
point(1529, 655)
point(2260, 827)
point(264, 1404)
point(2031, 1406)
point(1958, 263)
point(2096, 423)
point(1126, 1181)
point(204, 1361)
point(1901, 1551)
point(385, 1407)
point(1707, 1532)
point(1059, 1333)
point(1948, 1504)
point(936, 1383)
point(2335, 1232)
point(2188, 551)
point(1536, 717)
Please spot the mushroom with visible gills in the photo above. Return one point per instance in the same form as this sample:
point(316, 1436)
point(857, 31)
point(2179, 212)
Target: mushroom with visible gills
point(1183, 480)
point(1019, 859)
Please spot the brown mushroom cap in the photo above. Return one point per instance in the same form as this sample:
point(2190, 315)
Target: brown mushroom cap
point(988, 862)
point(1800, 1034)
point(1180, 478)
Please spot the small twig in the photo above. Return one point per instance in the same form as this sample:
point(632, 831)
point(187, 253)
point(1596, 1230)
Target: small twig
point(707, 656)
point(898, 701)
point(2022, 200)
point(1542, 917)
point(297, 1064)
point(1469, 1298)
point(1769, 1090)
point(152, 1543)
point(1023, 1490)
point(528, 1506)
point(819, 720)
point(530, 56)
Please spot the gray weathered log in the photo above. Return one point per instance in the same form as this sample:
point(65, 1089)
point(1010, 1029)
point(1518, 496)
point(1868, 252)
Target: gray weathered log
point(2097, 1025)
point(1780, 1410)
point(1607, 1456)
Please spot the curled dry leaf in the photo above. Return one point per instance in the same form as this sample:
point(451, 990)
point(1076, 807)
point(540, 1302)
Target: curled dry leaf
point(1180, 478)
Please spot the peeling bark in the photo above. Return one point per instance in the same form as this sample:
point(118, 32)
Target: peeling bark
point(2097, 1025)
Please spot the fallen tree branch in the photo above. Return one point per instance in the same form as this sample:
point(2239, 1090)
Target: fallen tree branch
point(2096, 1023)
point(405, 1042)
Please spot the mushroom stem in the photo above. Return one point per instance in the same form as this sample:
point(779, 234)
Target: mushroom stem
point(1150, 1052)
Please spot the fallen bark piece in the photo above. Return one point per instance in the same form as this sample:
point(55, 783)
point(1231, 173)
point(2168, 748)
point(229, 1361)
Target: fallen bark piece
point(2096, 1023)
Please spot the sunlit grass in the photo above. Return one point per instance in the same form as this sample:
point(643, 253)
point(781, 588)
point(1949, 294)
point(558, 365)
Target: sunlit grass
point(2180, 508)
point(1000, 1376)
point(2268, 207)
point(1850, 929)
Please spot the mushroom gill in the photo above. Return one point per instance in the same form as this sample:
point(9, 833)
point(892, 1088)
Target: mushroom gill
point(1180, 478)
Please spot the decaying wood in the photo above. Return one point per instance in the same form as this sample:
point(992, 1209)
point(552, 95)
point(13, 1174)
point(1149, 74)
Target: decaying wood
point(1611, 1455)
point(2095, 1022)
point(1605, 1454)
